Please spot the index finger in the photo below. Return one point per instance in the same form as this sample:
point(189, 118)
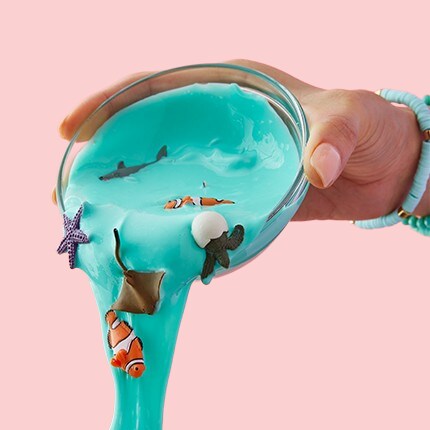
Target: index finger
point(77, 117)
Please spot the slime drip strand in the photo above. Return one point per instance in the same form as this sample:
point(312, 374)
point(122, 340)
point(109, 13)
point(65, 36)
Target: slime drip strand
point(222, 142)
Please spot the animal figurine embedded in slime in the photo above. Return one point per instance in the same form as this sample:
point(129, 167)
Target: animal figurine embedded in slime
point(210, 231)
point(123, 171)
point(73, 236)
point(196, 201)
point(127, 347)
point(140, 291)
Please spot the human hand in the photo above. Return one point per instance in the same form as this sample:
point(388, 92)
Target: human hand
point(361, 156)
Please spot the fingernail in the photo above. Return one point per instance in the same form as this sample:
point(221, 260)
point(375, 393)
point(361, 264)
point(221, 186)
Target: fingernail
point(54, 196)
point(60, 128)
point(327, 163)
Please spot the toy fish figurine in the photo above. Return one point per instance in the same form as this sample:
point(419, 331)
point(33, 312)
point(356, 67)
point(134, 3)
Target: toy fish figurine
point(123, 171)
point(126, 346)
point(196, 201)
point(140, 291)
point(210, 231)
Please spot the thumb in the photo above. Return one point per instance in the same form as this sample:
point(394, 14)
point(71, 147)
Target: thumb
point(330, 145)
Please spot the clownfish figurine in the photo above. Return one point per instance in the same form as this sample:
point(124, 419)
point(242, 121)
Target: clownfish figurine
point(196, 201)
point(127, 347)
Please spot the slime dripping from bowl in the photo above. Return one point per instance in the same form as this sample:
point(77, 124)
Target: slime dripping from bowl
point(231, 141)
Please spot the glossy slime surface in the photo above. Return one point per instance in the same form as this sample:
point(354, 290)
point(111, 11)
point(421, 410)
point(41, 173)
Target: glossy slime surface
point(231, 140)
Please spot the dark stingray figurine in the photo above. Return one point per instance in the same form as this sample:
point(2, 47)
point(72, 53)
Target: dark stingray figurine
point(216, 250)
point(140, 291)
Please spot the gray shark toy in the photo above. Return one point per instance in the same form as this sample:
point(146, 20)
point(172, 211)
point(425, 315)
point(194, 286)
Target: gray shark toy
point(122, 170)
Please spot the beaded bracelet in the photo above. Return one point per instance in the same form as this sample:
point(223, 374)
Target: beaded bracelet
point(404, 213)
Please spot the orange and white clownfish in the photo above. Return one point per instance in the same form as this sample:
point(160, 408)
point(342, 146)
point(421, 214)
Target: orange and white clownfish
point(127, 347)
point(196, 201)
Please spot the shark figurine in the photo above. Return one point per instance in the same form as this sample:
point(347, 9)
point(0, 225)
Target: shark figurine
point(122, 170)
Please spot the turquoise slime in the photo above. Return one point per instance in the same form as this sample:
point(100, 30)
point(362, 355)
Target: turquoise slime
point(217, 134)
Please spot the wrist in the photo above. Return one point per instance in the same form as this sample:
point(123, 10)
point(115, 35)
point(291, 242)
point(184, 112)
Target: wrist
point(410, 169)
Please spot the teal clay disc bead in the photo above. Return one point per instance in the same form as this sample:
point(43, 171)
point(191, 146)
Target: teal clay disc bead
point(421, 225)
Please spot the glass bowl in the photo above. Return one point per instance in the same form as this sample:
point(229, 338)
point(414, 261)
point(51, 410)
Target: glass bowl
point(280, 98)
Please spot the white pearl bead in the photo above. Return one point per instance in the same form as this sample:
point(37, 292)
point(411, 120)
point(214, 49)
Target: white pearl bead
point(207, 226)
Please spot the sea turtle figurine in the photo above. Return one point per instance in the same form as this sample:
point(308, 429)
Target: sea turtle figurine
point(210, 231)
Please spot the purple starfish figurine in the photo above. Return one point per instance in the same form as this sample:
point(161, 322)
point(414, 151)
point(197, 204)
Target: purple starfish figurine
point(72, 236)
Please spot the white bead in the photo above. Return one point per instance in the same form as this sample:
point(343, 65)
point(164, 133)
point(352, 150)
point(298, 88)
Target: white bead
point(207, 226)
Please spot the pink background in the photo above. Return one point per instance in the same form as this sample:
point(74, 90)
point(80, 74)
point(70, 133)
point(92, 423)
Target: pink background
point(342, 339)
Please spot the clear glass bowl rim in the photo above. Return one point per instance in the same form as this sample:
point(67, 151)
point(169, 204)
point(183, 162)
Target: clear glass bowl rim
point(288, 102)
